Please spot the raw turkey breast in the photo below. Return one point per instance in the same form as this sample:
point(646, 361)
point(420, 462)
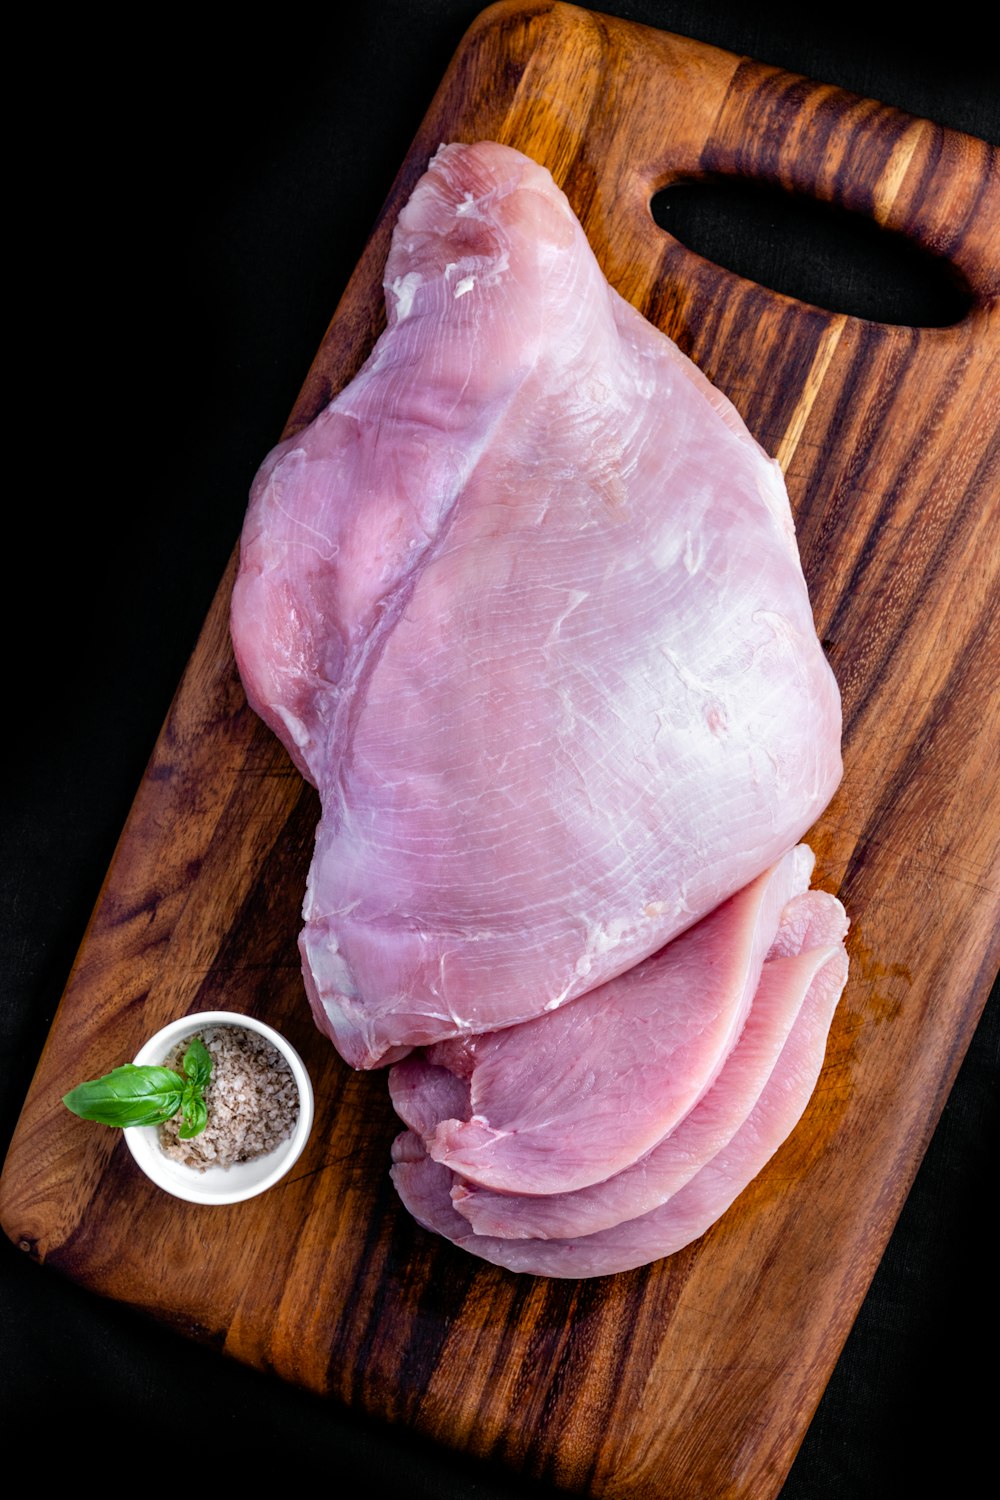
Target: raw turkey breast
point(570, 1098)
point(694, 1175)
point(524, 602)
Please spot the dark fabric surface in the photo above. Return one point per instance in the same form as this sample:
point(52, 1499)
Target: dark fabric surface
point(190, 200)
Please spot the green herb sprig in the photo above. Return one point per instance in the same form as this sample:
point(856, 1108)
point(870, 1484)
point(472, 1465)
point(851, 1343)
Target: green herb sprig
point(143, 1094)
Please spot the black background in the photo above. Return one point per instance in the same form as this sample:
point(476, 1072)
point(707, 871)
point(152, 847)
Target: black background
point(189, 198)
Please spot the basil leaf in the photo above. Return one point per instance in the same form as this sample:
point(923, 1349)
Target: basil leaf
point(129, 1095)
point(198, 1062)
point(195, 1115)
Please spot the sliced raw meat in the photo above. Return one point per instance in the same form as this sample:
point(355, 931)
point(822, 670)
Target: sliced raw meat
point(425, 1186)
point(525, 603)
point(706, 1130)
point(423, 1095)
point(573, 1097)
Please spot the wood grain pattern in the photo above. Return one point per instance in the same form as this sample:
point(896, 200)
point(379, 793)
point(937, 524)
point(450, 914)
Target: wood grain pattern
point(696, 1376)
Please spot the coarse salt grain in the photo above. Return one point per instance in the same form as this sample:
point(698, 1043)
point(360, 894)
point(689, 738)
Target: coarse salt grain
point(252, 1100)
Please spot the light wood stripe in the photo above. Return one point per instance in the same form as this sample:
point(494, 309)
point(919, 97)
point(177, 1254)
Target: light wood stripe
point(825, 350)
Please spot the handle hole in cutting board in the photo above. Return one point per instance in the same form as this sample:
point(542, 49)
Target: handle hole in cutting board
point(814, 251)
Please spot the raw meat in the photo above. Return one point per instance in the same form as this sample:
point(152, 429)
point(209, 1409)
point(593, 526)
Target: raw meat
point(709, 1127)
point(816, 979)
point(525, 604)
point(572, 1098)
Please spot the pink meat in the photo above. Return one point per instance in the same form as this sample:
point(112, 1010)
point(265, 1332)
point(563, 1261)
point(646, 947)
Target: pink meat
point(574, 1097)
point(423, 1095)
point(672, 1163)
point(525, 604)
point(425, 1186)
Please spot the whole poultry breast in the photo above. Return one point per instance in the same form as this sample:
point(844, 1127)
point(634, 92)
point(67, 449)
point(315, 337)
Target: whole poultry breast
point(524, 602)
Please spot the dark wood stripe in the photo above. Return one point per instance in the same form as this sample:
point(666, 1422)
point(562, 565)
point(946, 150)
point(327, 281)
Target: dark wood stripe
point(905, 614)
point(948, 711)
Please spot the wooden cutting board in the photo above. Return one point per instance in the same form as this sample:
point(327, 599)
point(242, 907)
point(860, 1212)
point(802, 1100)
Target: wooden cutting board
point(696, 1376)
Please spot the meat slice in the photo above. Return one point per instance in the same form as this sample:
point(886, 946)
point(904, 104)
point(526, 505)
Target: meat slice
point(525, 604)
point(572, 1098)
point(424, 1094)
point(424, 1185)
point(709, 1127)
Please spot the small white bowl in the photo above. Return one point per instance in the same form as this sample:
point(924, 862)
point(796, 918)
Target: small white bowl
point(219, 1184)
